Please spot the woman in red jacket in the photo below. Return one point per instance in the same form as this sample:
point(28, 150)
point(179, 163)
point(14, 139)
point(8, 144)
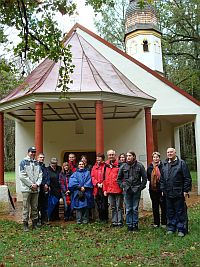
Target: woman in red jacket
point(97, 174)
point(112, 189)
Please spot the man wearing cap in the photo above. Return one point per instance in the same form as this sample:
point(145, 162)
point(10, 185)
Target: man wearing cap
point(30, 175)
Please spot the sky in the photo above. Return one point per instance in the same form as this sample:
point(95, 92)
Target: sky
point(85, 18)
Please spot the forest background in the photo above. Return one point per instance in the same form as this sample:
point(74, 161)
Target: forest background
point(35, 21)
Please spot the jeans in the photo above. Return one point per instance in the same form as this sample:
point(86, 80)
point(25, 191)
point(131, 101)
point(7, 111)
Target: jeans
point(82, 215)
point(132, 200)
point(30, 202)
point(176, 214)
point(116, 204)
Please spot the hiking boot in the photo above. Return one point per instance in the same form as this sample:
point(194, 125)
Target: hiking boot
point(130, 228)
point(113, 225)
point(39, 223)
point(135, 228)
point(25, 227)
point(170, 232)
point(181, 234)
point(35, 224)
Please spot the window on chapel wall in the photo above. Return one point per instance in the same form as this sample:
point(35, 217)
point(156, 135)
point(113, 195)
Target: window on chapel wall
point(132, 49)
point(145, 46)
point(157, 47)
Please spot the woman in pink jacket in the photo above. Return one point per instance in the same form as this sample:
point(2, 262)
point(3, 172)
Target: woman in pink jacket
point(112, 189)
point(97, 174)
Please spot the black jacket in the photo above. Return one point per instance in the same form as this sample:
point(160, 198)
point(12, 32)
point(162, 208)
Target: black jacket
point(54, 181)
point(132, 177)
point(175, 178)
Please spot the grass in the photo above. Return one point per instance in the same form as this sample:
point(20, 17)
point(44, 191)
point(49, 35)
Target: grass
point(99, 245)
point(194, 177)
point(9, 178)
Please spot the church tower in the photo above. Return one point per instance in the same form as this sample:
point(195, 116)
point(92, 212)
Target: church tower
point(142, 35)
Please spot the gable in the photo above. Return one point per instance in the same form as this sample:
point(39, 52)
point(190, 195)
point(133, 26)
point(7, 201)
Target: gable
point(170, 99)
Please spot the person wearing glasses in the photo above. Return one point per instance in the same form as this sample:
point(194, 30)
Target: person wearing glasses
point(30, 175)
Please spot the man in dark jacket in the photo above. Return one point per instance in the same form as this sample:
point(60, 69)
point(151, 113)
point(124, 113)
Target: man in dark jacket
point(44, 190)
point(175, 183)
point(55, 193)
point(132, 178)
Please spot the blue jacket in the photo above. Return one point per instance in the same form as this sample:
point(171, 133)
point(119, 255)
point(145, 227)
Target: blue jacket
point(45, 174)
point(77, 180)
point(175, 178)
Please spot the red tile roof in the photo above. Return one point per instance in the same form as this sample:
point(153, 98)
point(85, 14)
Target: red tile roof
point(92, 73)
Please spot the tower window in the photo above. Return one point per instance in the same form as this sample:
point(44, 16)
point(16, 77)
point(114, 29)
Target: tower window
point(132, 48)
point(145, 46)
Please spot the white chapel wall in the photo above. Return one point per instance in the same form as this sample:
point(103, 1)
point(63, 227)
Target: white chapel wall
point(120, 135)
point(165, 137)
point(169, 101)
point(24, 138)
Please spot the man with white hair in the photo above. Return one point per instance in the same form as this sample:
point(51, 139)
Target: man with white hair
point(175, 183)
point(112, 189)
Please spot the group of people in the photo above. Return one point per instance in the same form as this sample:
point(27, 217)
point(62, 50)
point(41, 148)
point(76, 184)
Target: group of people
point(116, 182)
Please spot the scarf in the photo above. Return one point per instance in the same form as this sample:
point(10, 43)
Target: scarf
point(72, 165)
point(155, 177)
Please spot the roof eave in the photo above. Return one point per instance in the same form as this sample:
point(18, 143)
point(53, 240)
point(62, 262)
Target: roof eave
point(76, 96)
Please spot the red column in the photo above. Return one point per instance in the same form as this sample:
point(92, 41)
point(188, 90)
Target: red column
point(39, 127)
point(99, 127)
point(1, 148)
point(149, 135)
point(155, 134)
